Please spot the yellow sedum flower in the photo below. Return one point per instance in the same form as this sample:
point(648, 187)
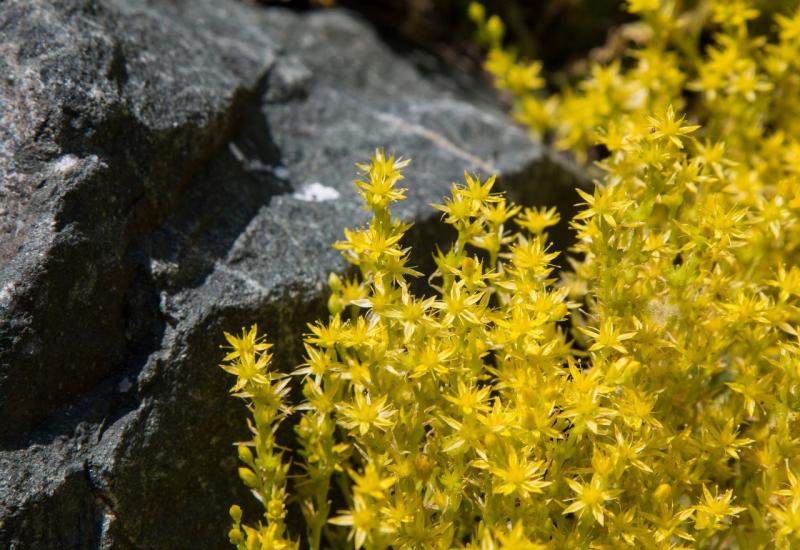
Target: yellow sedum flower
point(590, 497)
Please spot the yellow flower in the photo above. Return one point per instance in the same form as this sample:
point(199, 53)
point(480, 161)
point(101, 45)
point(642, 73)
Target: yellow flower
point(364, 414)
point(519, 476)
point(536, 220)
point(249, 369)
point(459, 304)
point(715, 510)
point(249, 344)
point(515, 539)
point(607, 337)
point(591, 496)
point(479, 192)
point(470, 399)
point(363, 519)
point(327, 336)
point(371, 483)
point(670, 127)
point(383, 174)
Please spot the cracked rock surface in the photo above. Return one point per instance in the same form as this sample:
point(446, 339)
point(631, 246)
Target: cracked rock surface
point(170, 170)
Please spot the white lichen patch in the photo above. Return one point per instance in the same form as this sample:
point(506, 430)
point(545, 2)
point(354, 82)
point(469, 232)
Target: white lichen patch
point(316, 192)
point(6, 294)
point(66, 164)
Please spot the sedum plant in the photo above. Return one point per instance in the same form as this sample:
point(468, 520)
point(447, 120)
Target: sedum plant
point(648, 397)
point(700, 56)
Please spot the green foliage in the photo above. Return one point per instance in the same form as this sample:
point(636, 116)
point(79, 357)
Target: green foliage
point(646, 398)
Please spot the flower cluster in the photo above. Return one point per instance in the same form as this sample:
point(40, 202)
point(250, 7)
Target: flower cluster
point(699, 56)
point(685, 278)
point(467, 417)
point(648, 397)
point(264, 470)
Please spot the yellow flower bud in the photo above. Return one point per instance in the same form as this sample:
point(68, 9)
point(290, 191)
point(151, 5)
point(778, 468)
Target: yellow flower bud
point(477, 13)
point(245, 455)
point(236, 536)
point(662, 492)
point(249, 477)
point(335, 305)
point(334, 282)
point(495, 29)
point(275, 509)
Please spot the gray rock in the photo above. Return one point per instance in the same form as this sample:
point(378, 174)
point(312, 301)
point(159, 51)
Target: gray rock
point(170, 170)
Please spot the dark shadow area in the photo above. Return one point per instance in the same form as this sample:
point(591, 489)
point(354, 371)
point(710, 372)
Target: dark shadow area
point(557, 32)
